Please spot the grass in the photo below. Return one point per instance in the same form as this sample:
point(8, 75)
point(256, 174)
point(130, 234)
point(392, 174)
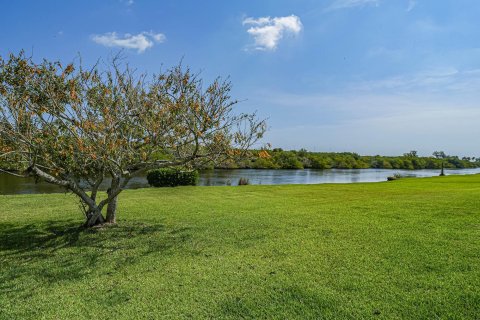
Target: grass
point(404, 249)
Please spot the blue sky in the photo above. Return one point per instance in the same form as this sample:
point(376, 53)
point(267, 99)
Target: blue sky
point(369, 76)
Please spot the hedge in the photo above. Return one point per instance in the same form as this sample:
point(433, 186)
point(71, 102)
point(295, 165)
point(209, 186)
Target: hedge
point(171, 177)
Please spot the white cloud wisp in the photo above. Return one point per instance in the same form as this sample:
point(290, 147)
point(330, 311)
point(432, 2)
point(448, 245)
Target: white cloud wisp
point(267, 32)
point(345, 4)
point(139, 42)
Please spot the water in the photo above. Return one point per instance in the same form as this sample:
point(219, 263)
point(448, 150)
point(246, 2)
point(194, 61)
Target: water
point(312, 176)
point(14, 185)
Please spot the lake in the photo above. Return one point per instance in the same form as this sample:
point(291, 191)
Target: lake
point(14, 185)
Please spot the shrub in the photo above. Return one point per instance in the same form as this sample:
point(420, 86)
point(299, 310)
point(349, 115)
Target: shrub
point(171, 177)
point(395, 176)
point(243, 182)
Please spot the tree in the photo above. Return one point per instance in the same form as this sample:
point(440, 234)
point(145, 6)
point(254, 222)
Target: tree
point(76, 127)
point(287, 160)
point(439, 154)
point(411, 154)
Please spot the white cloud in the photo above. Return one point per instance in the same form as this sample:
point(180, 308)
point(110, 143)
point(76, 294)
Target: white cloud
point(345, 4)
point(267, 32)
point(158, 37)
point(140, 42)
point(439, 80)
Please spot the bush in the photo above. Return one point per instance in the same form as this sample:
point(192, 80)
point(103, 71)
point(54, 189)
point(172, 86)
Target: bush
point(243, 182)
point(395, 176)
point(171, 177)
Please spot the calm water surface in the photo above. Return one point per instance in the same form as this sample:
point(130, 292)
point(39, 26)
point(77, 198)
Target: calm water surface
point(13, 185)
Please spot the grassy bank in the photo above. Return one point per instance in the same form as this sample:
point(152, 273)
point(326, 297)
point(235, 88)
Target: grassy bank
point(402, 249)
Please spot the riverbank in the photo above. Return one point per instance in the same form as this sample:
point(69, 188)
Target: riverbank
point(403, 249)
point(227, 177)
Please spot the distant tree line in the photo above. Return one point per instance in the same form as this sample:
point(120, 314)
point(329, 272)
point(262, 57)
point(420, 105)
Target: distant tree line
point(302, 159)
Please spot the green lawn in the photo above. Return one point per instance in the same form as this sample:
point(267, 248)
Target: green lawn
point(408, 249)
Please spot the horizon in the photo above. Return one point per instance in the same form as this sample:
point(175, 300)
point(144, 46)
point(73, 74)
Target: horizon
point(366, 76)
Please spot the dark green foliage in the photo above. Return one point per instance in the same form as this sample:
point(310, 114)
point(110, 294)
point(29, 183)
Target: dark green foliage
point(439, 155)
point(262, 163)
point(287, 160)
point(320, 163)
point(411, 154)
point(243, 182)
point(171, 177)
point(396, 176)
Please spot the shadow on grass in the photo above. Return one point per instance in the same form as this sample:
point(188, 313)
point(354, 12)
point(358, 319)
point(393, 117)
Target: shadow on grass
point(40, 254)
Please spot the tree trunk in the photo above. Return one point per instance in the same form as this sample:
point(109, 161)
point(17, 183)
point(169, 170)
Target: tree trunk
point(112, 205)
point(91, 223)
point(100, 220)
point(112, 211)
